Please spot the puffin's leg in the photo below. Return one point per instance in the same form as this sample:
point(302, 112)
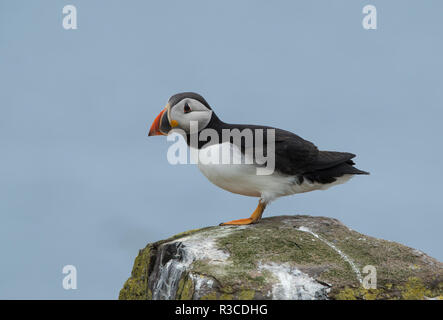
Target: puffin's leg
point(254, 218)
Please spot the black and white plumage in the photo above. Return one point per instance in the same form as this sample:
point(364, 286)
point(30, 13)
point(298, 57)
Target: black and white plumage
point(299, 165)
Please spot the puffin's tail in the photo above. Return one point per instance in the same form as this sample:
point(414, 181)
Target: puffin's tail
point(329, 175)
point(354, 170)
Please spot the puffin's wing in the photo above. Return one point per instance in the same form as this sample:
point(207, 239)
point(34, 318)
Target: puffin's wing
point(328, 159)
point(295, 155)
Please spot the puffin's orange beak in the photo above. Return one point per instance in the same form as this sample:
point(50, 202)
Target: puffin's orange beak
point(155, 127)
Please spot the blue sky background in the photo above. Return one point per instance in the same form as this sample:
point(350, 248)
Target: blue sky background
point(82, 184)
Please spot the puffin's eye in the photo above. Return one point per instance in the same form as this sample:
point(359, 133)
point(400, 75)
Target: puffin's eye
point(186, 108)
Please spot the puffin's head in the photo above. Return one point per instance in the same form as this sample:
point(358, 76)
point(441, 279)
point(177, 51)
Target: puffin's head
point(181, 109)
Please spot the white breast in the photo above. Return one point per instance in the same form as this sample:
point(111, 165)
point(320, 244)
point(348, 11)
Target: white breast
point(243, 179)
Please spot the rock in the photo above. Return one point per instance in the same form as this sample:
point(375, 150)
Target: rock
point(285, 257)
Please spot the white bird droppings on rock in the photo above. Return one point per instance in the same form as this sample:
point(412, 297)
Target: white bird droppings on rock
point(292, 284)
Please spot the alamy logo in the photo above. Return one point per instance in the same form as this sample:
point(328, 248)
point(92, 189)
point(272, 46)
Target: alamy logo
point(370, 281)
point(70, 20)
point(370, 20)
point(70, 280)
point(233, 147)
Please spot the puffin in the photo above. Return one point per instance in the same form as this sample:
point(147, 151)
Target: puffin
point(299, 166)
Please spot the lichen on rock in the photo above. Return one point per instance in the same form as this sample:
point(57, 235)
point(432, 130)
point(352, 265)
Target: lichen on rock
point(285, 257)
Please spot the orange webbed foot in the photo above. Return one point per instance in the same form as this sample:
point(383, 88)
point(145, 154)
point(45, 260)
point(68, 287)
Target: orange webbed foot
point(255, 217)
point(239, 222)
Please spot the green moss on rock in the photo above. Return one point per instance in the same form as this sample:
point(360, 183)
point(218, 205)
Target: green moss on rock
point(414, 289)
point(246, 295)
point(136, 287)
point(209, 296)
point(185, 290)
